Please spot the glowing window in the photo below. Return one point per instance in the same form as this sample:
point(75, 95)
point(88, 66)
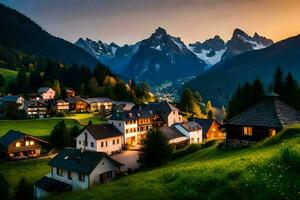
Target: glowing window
point(272, 132)
point(31, 143)
point(27, 143)
point(248, 131)
point(18, 144)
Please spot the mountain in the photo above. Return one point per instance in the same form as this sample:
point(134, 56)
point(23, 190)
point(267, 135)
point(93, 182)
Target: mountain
point(214, 50)
point(241, 42)
point(210, 51)
point(221, 81)
point(161, 58)
point(112, 55)
point(22, 34)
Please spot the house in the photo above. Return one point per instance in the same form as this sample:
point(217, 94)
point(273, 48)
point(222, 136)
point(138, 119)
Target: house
point(100, 137)
point(62, 106)
point(77, 105)
point(17, 145)
point(34, 96)
point(210, 129)
point(191, 129)
point(122, 105)
point(97, 104)
point(36, 108)
point(168, 112)
point(75, 169)
point(46, 93)
point(262, 120)
point(175, 137)
point(16, 99)
point(70, 93)
point(134, 124)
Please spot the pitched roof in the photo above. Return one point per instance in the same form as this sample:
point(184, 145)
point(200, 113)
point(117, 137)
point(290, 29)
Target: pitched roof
point(12, 136)
point(269, 112)
point(81, 162)
point(11, 98)
point(163, 109)
point(172, 133)
point(137, 112)
point(43, 89)
point(189, 126)
point(75, 100)
point(52, 185)
point(98, 99)
point(205, 124)
point(101, 131)
point(40, 102)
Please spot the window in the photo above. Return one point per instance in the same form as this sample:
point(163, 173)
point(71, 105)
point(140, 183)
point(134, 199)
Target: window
point(118, 141)
point(59, 172)
point(272, 132)
point(120, 124)
point(79, 142)
point(31, 143)
point(248, 131)
point(27, 143)
point(106, 143)
point(69, 175)
point(102, 144)
point(18, 144)
point(81, 177)
point(113, 142)
point(92, 144)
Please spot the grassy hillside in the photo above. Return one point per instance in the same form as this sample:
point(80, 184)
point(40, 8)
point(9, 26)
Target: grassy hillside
point(9, 75)
point(42, 127)
point(261, 172)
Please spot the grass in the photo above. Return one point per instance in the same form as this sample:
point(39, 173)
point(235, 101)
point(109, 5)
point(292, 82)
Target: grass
point(261, 172)
point(9, 75)
point(43, 127)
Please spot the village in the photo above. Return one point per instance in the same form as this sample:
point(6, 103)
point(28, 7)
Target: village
point(102, 152)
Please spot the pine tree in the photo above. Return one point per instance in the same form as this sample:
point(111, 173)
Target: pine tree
point(35, 80)
point(93, 86)
point(22, 82)
point(2, 81)
point(291, 92)
point(60, 136)
point(198, 97)
point(277, 84)
point(56, 88)
point(24, 190)
point(257, 91)
point(208, 106)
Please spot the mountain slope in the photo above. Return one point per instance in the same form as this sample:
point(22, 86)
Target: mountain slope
point(21, 33)
point(266, 172)
point(161, 58)
point(220, 82)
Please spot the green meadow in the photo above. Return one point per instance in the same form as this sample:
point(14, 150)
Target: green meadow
point(43, 127)
point(264, 171)
point(9, 75)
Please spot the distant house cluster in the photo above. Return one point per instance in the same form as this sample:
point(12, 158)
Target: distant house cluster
point(43, 103)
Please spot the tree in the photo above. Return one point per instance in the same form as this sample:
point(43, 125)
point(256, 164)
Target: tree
point(291, 92)
point(74, 131)
point(2, 81)
point(277, 84)
point(21, 82)
point(210, 115)
point(121, 92)
point(24, 190)
point(208, 107)
point(93, 86)
point(257, 91)
point(60, 136)
point(4, 187)
point(198, 97)
point(189, 104)
point(56, 88)
point(35, 80)
point(156, 150)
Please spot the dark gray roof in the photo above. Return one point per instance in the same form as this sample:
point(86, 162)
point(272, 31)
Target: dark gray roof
point(75, 100)
point(11, 136)
point(190, 126)
point(101, 131)
point(43, 89)
point(137, 112)
point(205, 124)
point(163, 109)
point(98, 99)
point(81, 162)
point(52, 185)
point(11, 98)
point(171, 133)
point(269, 112)
point(40, 102)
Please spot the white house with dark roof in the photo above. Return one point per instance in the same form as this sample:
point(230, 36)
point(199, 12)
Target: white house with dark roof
point(46, 93)
point(101, 137)
point(17, 99)
point(190, 129)
point(75, 169)
point(175, 137)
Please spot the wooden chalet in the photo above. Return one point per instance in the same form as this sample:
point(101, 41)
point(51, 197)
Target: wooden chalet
point(77, 105)
point(210, 129)
point(16, 145)
point(262, 120)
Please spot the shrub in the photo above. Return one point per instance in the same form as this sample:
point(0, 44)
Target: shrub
point(24, 190)
point(4, 187)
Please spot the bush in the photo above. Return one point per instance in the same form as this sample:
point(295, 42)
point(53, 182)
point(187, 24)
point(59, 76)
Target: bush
point(4, 188)
point(24, 190)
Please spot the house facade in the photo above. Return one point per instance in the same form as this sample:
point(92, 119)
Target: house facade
point(78, 105)
point(175, 137)
point(36, 108)
point(76, 169)
point(101, 137)
point(46, 93)
point(211, 129)
point(264, 119)
point(62, 106)
point(98, 104)
point(192, 130)
point(15, 145)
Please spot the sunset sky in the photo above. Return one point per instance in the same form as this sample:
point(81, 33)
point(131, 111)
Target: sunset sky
point(128, 21)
